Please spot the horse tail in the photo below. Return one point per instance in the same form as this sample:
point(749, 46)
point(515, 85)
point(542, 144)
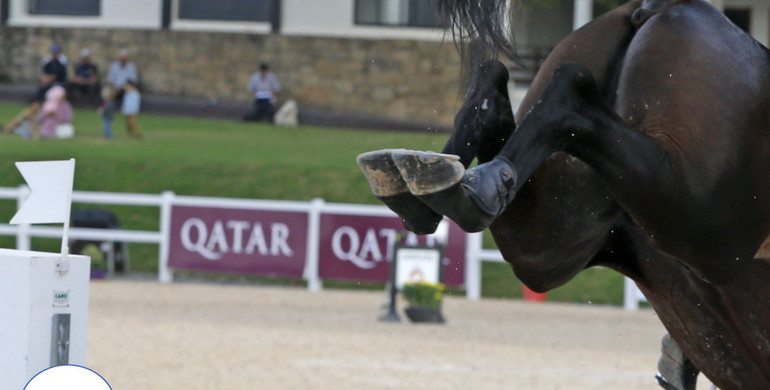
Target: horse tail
point(484, 23)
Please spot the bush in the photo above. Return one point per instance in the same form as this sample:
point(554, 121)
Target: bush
point(421, 294)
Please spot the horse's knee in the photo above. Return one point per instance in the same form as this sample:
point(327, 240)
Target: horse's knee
point(573, 89)
point(572, 76)
point(485, 121)
point(572, 105)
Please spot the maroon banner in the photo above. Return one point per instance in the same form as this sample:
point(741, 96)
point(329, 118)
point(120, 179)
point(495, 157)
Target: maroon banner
point(355, 247)
point(238, 240)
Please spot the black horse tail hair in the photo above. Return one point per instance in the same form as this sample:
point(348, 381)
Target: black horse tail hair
point(482, 22)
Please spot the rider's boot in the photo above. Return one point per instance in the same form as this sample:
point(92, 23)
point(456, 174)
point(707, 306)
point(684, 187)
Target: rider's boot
point(676, 371)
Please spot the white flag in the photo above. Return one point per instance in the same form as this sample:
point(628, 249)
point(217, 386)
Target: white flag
point(50, 184)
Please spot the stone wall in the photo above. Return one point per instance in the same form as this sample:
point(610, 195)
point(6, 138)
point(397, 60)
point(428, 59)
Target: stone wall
point(413, 81)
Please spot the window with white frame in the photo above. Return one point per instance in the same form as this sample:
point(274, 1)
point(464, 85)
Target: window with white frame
point(226, 10)
point(65, 8)
point(407, 13)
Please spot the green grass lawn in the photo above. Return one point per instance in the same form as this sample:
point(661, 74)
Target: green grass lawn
point(193, 156)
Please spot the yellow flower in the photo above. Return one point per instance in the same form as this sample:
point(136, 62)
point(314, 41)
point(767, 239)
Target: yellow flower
point(422, 294)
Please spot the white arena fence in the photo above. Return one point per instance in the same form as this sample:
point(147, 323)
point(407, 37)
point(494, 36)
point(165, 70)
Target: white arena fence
point(310, 240)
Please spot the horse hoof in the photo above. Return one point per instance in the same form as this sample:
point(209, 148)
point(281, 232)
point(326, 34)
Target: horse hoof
point(381, 172)
point(389, 187)
point(427, 172)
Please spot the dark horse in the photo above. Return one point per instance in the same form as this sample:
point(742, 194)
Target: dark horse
point(643, 145)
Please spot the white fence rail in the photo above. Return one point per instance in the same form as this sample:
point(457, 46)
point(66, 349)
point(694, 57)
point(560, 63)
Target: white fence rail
point(475, 253)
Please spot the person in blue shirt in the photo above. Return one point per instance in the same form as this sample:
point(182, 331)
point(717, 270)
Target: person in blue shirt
point(265, 86)
point(132, 100)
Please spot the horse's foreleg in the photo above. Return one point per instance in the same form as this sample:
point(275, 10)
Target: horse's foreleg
point(386, 180)
point(389, 187)
point(476, 199)
point(640, 174)
point(473, 198)
point(481, 127)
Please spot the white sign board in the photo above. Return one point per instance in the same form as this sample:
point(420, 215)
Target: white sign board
point(417, 265)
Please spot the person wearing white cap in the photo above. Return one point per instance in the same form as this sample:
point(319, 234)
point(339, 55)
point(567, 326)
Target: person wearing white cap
point(121, 71)
point(86, 77)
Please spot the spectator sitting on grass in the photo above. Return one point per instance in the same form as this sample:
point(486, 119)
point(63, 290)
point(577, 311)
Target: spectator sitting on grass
point(24, 122)
point(55, 114)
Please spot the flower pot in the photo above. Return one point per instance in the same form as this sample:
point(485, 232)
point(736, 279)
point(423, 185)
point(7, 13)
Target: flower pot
point(424, 314)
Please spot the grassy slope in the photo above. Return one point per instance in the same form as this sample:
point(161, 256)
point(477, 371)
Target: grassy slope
point(192, 156)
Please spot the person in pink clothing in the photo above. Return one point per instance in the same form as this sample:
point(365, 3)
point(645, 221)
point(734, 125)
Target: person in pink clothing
point(55, 112)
